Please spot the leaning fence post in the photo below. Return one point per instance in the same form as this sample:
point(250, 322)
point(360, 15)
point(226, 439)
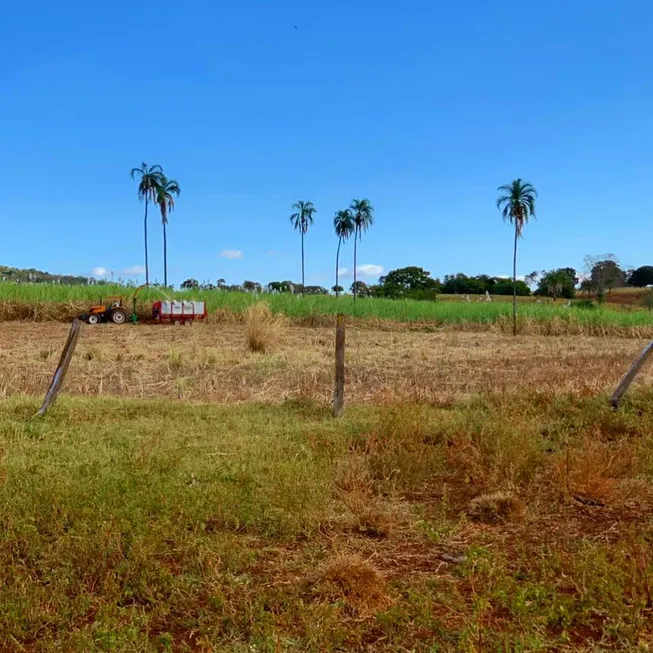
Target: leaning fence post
point(339, 390)
point(62, 367)
point(630, 375)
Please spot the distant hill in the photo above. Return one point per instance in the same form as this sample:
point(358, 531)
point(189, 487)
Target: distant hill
point(17, 275)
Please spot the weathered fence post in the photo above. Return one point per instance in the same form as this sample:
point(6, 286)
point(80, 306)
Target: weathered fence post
point(630, 375)
point(339, 391)
point(62, 368)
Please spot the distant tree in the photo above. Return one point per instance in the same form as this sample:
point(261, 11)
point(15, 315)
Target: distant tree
point(509, 287)
point(344, 226)
point(586, 287)
point(517, 205)
point(276, 287)
point(221, 284)
point(360, 288)
point(337, 290)
point(190, 284)
point(605, 273)
point(251, 286)
point(315, 290)
point(532, 278)
point(461, 284)
point(641, 277)
point(150, 177)
point(166, 192)
point(411, 282)
point(363, 213)
point(301, 220)
point(558, 283)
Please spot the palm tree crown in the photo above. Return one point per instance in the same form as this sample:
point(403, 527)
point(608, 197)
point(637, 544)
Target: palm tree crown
point(343, 224)
point(517, 203)
point(303, 217)
point(149, 180)
point(363, 214)
point(165, 193)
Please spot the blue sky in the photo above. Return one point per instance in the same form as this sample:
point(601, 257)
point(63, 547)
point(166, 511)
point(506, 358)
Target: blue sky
point(423, 107)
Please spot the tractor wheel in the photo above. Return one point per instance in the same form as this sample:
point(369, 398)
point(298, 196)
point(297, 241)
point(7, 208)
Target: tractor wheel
point(188, 322)
point(93, 319)
point(177, 322)
point(118, 316)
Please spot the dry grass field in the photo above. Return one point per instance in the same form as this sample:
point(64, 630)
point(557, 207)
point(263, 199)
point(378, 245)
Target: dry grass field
point(213, 363)
point(187, 494)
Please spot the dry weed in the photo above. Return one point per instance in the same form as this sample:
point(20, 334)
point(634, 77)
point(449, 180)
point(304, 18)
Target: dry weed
point(262, 327)
point(592, 471)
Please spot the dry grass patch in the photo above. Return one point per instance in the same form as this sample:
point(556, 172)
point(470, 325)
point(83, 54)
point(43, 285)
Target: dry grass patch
point(355, 582)
point(263, 328)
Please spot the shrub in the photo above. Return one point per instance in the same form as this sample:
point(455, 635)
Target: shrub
point(263, 328)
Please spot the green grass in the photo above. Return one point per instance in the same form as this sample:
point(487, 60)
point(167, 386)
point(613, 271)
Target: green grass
point(444, 312)
point(162, 526)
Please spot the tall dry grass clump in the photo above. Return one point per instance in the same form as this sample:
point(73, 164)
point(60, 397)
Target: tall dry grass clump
point(263, 328)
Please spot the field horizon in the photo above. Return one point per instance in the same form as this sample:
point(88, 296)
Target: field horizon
point(40, 302)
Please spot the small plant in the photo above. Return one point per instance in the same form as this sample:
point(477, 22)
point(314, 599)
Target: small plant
point(263, 328)
point(44, 354)
point(175, 359)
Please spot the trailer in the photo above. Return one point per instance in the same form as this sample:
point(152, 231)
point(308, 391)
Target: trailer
point(178, 312)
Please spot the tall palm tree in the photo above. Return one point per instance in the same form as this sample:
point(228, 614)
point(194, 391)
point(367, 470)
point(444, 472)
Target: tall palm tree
point(149, 181)
point(517, 205)
point(166, 192)
point(301, 220)
point(343, 224)
point(363, 214)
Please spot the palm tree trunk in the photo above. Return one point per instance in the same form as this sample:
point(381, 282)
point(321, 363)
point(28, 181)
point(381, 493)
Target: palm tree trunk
point(165, 257)
point(338, 263)
point(514, 284)
point(147, 267)
point(355, 235)
point(303, 284)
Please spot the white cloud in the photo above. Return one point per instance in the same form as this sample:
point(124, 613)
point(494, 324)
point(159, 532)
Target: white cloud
point(370, 270)
point(367, 270)
point(231, 253)
point(133, 271)
point(100, 272)
point(508, 277)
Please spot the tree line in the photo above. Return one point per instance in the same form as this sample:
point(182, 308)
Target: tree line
point(414, 282)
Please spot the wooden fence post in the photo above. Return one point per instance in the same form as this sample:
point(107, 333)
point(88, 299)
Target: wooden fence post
point(62, 367)
point(339, 391)
point(630, 375)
